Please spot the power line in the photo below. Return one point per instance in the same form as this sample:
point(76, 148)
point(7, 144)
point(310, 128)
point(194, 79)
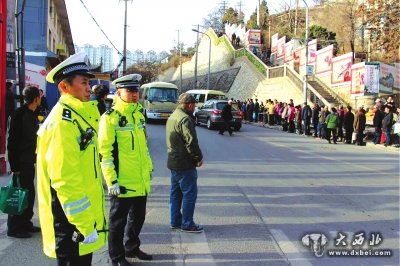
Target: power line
point(101, 28)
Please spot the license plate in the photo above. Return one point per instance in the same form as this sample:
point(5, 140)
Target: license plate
point(164, 115)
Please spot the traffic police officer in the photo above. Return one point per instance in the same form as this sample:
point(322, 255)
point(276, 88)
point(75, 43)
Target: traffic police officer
point(70, 190)
point(127, 167)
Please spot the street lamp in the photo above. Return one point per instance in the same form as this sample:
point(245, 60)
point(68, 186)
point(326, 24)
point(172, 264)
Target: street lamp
point(306, 44)
point(209, 57)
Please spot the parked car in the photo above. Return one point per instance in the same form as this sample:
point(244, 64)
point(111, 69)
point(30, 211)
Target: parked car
point(210, 114)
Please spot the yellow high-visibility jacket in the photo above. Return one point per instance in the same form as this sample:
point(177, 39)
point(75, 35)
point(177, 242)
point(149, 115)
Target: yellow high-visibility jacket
point(123, 147)
point(69, 185)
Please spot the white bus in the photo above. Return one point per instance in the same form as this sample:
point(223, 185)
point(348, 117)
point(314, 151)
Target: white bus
point(159, 100)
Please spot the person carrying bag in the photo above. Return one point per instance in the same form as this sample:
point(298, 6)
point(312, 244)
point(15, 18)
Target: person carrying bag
point(13, 198)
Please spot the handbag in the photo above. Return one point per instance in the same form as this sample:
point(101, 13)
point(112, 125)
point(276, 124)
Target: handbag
point(13, 198)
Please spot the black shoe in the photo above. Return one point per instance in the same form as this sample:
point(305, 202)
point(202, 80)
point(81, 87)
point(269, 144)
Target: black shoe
point(140, 255)
point(121, 262)
point(194, 229)
point(220, 133)
point(175, 227)
point(34, 229)
point(19, 235)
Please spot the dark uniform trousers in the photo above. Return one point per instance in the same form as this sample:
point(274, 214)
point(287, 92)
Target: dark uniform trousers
point(22, 223)
point(85, 260)
point(126, 215)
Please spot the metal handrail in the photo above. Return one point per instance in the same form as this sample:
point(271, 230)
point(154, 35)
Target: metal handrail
point(309, 86)
point(330, 91)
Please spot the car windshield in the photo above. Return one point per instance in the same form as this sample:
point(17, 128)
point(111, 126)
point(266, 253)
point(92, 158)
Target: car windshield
point(220, 106)
point(163, 94)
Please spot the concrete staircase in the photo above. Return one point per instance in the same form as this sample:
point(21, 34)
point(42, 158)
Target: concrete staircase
point(323, 92)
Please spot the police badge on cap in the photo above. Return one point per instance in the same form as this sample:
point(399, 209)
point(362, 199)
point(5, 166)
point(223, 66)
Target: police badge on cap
point(75, 64)
point(130, 82)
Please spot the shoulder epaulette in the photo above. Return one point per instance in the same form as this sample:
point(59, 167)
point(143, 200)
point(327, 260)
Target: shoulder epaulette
point(66, 115)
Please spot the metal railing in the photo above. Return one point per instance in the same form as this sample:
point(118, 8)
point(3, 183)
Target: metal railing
point(336, 96)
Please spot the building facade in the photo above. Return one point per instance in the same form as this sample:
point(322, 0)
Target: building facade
point(100, 55)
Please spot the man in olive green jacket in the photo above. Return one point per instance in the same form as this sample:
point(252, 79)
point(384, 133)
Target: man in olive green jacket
point(184, 155)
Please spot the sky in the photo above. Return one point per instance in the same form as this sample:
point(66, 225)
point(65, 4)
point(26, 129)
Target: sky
point(152, 24)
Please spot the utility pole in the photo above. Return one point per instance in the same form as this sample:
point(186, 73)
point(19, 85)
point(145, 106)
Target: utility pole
point(20, 46)
point(180, 64)
point(195, 58)
point(125, 26)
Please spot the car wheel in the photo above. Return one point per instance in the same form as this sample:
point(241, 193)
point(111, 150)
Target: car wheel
point(209, 124)
point(237, 128)
point(197, 120)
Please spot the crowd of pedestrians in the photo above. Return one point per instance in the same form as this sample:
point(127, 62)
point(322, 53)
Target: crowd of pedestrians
point(333, 124)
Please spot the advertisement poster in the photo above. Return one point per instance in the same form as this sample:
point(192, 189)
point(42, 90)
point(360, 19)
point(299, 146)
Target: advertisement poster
point(312, 51)
point(254, 37)
point(386, 78)
point(324, 59)
point(397, 77)
point(281, 47)
point(371, 86)
point(358, 78)
point(35, 75)
point(289, 49)
point(274, 43)
point(341, 68)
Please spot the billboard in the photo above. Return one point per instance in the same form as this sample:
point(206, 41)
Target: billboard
point(397, 76)
point(35, 75)
point(289, 49)
point(254, 37)
point(341, 68)
point(281, 47)
point(358, 78)
point(274, 43)
point(386, 78)
point(371, 86)
point(324, 59)
point(312, 51)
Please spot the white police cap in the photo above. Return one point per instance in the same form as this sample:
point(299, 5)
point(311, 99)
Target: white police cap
point(131, 81)
point(75, 64)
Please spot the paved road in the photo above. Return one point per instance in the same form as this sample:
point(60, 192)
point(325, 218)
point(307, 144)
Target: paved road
point(260, 191)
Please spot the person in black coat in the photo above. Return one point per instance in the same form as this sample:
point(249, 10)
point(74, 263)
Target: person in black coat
point(348, 121)
point(306, 114)
point(377, 123)
point(100, 92)
point(314, 118)
point(21, 150)
point(387, 123)
point(226, 116)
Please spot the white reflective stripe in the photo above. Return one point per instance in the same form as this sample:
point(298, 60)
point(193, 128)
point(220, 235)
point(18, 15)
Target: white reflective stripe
point(126, 128)
point(107, 164)
point(75, 203)
point(77, 210)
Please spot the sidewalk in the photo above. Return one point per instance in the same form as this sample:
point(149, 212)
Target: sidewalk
point(368, 131)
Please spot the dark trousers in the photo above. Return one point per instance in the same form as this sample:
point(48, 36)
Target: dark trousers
point(22, 223)
point(377, 135)
point(348, 134)
point(85, 260)
point(340, 132)
point(315, 125)
point(126, 215)
point(360, 137)
point(226, 126)
point(331, 132)
point(271, 119)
